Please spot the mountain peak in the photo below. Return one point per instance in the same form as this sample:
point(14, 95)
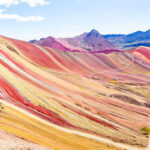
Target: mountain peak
point(93, 32)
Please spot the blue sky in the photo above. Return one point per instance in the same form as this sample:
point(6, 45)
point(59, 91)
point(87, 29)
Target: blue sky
point(33, 19)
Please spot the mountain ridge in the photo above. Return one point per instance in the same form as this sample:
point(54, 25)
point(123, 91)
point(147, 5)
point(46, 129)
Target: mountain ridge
point(94, 41)
point(131, 40)
point(90, 41)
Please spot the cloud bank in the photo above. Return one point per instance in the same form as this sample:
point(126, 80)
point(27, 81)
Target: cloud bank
point(19, 18)
point(31, 3)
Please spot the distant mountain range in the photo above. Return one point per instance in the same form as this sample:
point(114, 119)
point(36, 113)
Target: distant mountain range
point(128, 41)
point(94, 41)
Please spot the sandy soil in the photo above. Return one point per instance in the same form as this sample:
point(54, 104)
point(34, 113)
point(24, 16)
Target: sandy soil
point(16, 143)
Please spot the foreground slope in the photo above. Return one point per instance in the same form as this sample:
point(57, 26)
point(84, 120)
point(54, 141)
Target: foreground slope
point(73, 100)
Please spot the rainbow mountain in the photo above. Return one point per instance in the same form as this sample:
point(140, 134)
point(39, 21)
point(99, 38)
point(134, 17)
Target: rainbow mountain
point(73, 99)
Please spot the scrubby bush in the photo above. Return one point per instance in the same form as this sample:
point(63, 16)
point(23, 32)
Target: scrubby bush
point(145, 130)
point(113, 82)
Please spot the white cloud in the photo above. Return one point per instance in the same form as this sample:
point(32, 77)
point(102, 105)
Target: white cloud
point(9, 2)
point(31, 3)
point(19, 18)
